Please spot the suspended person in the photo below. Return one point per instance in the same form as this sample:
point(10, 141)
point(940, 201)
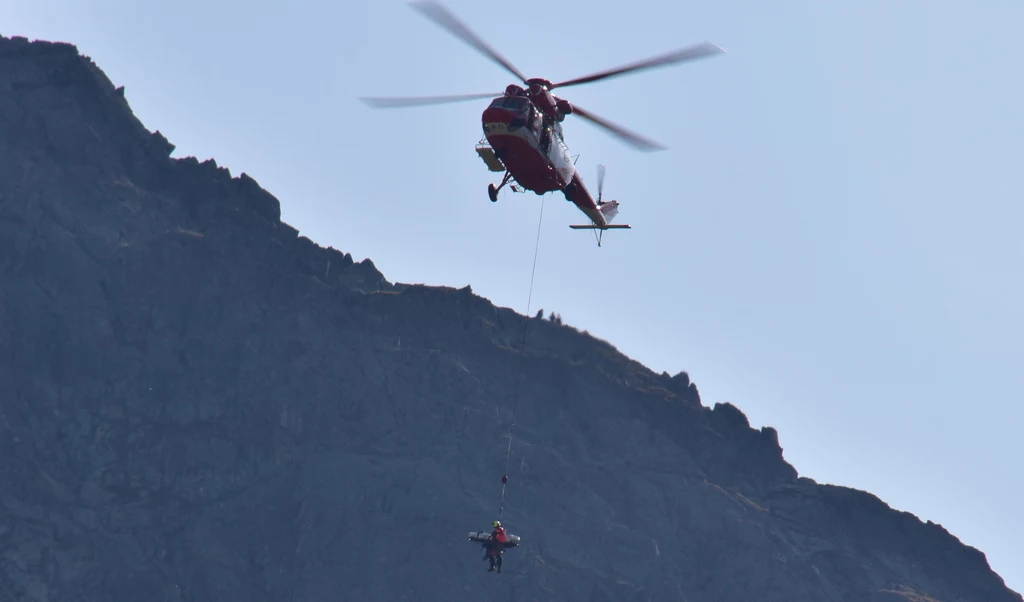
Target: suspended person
point(495, 546)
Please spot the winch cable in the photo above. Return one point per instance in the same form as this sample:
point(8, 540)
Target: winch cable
point(522, 349)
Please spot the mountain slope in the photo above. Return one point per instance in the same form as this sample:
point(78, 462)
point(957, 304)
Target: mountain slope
point(197, 403)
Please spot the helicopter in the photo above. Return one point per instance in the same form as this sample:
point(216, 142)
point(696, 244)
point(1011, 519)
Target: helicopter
point(522, 126)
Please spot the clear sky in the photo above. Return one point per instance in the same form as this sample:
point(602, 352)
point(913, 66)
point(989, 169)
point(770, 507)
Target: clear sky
point(833, 240)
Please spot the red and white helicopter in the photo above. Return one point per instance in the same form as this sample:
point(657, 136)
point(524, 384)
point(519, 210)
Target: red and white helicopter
point(522, 126)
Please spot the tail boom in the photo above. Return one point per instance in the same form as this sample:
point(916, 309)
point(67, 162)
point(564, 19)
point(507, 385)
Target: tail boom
point(601, 213)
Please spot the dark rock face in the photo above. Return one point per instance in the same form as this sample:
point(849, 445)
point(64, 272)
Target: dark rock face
point(197, 403)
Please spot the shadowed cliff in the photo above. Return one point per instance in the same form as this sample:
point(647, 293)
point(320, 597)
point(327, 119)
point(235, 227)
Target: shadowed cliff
point(197, 403)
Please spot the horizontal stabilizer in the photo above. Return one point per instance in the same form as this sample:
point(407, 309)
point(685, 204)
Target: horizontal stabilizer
point(604, 227)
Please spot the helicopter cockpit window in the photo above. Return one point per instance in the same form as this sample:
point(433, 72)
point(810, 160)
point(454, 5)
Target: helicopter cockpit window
point(517, 103)
point(511, 103)
point(533, 121)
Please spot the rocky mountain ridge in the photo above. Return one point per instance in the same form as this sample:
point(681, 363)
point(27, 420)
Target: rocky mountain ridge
point(198, 403)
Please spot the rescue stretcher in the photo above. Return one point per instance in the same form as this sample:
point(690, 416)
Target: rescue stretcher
point(485, 536)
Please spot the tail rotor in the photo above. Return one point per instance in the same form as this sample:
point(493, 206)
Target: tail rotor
point(600, 183)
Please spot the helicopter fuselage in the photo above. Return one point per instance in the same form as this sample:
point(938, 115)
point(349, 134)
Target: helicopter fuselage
point(533, 150)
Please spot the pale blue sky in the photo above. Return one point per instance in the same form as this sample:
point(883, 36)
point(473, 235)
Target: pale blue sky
point(832, 241)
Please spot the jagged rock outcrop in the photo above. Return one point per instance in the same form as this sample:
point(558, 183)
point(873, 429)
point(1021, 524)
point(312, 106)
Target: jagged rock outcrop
point(198, 403)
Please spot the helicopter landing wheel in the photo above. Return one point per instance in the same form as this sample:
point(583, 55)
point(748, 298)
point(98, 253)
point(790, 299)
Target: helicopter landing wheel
point(492, 191)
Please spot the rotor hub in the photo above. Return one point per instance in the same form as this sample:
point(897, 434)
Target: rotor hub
point(538, 82)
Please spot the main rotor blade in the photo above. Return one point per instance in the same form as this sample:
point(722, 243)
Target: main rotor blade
point(629, 137)
point(440, 15)
point(415, 101)
point(686, 54)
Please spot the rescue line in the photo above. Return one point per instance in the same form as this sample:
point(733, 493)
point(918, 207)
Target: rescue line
point(495, 542)
point(522, 351)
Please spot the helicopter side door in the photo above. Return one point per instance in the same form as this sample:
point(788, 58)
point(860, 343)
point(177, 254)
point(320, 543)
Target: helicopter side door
point(558, 154)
